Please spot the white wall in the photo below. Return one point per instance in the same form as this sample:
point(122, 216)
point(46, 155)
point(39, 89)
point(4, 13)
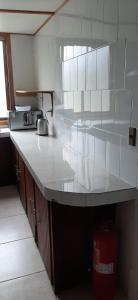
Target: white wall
point(47, 58)
point(103, 84)
point(100, 92)
point(23, 61)
point(23, 66)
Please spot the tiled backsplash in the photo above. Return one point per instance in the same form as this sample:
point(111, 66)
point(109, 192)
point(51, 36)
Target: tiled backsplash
point(98, 103)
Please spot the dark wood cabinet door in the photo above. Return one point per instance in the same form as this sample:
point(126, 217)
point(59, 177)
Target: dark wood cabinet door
point(30, 201)
point(16, 161)
point(69, 246)
point(7, 171)
point(21, 182)
point(43, 229)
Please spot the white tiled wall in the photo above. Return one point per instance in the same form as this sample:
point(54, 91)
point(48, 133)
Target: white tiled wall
point(103, 64)
point(96, 94)
point(127, 11)
point(81, 72)
point(91, 71)
point(117, 65)
point(101, 104)
point(131, 72)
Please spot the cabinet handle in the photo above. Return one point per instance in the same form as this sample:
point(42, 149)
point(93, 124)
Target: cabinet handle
point(38, 218)
point(19, 171)
point(30, 205)
point(34, 212)
point(18, 174)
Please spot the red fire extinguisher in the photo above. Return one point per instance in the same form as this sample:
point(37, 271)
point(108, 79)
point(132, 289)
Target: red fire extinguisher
point(104, 263)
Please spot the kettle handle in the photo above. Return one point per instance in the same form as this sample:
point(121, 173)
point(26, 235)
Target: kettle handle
point(36, 123)
point(46, 114)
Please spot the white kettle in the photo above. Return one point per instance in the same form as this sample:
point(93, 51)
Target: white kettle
point(42, 126)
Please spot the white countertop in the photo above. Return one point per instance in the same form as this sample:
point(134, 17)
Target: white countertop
point(66, 177)
point(4, 132)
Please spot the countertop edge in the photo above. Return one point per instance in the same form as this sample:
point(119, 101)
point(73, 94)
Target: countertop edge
point(80, 199)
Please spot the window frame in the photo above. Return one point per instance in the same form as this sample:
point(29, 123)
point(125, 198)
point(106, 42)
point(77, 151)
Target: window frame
point(5, 38)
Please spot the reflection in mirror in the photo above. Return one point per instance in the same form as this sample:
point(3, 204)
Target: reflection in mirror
point(85, 69)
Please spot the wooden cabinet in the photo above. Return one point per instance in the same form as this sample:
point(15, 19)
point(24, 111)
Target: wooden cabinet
point(20, 177)
point(16, 162)
point(69, 245)
point(43, 229)
point(30, 197)
point(60, 232)
point(63, 233)
point(7, 172)
point(21, 182)
point(25, 184)
point(62, 241)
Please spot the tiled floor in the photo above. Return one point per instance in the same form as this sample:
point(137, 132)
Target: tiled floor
point(22, 273)
point(8, 229)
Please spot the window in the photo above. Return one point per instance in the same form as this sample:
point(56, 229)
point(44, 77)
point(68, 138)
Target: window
point(6, 78)
point(3, 106)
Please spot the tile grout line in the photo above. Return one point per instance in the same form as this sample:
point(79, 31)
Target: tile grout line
point(27, 238)
point(15, 241)
point(27, 275)
point(43, 270)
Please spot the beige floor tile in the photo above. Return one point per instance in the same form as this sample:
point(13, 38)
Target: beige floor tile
point(18, 259)
point(10, 204)
point(34, 287)
point(14, 228)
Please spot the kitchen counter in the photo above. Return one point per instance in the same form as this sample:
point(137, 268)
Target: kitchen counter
point(4, 132)
point(66, 177)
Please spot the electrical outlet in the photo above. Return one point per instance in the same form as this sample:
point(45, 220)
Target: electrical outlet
point(132, 136)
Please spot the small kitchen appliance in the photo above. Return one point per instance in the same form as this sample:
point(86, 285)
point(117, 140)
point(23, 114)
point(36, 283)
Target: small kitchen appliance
point(42, 126)
point(19, 120)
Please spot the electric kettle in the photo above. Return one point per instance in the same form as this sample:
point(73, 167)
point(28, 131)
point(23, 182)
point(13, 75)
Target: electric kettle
point(42, 126)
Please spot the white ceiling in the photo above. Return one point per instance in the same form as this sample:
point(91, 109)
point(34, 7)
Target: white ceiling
point(30, 4)
point(20, 23)
point(25, 23)
point(109, 12)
